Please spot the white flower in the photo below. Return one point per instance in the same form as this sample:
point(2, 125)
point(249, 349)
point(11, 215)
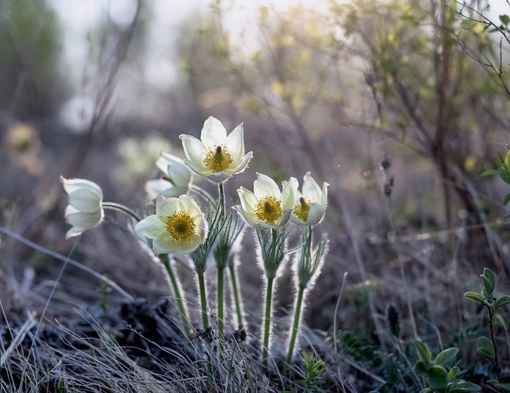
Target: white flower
point(84, 210)
point(175, 181)
point(311, 203)
point(215, 155)
point(267, 207)
point(177, 226)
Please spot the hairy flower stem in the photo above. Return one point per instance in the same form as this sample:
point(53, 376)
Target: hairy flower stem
point(295, 324)
point(235, 292)
point(221, 190)
point(220, 300)
point(203, 300)
point(177, 291)
point(121, 208)
point(267, 320)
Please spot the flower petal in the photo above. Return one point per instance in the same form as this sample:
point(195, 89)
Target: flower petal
point(71, 185)
point(174, 192)
point(175, 169)
point(265, 186)
point(194, 150)
point(219, 177)
point(311, 189)
point(324, 199)
point(151, 227)
point(315, 215)
point(165, 207)
point(83, 220)
point(289, 194)
point(241, 165)
point(248, 199)
point(85, 200)
point(213, 133)
point(235, 143)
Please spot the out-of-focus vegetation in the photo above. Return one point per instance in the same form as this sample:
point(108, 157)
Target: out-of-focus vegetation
point(399, 105)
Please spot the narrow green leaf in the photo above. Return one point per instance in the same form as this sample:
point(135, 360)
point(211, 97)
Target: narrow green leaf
point(503, 386)
point(490, 275)
point(502, 301)
point(474, 296)
point(438, 377)
point(466, 387)
point(506, 199)
point(490, 172)
point(453, 373)
point(506, 162)
point(485, 348)
point(446, 356)
point(488, 284)
point(423, 352)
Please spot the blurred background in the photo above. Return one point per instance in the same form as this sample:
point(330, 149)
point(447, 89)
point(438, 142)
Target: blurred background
point(398, 105)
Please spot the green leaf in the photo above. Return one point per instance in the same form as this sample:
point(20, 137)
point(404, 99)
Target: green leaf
point(495, 383)
point(420, 368)
point(474, 296)
point(423, 352)
point(466, 387)
point(485, 348)
point(505, 19)
point(446, 356)
point(506, 162)
point(438, 377)
point(504, 175)
point(506, 199)
point(453, 373)
point(502, 301)
point(490, 172)
point(489, 282)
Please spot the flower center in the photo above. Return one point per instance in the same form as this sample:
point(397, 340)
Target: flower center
point(302, 210)
point(180, 226)
point(269, 209)
point(219, 159)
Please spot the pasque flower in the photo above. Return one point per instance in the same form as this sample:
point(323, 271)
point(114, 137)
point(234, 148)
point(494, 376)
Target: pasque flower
point(178, 225)
point(175, 181)
point(311, 202)
point(266, 207)
point(84, 210)
point(215, 155)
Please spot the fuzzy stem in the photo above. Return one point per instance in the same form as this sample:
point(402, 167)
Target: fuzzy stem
point(177, 291)
point(296, 323)
point(203, 300)
point(235, 292)
point(221, 189)
point(267, 320)
point(220, 300)
point(121, 208)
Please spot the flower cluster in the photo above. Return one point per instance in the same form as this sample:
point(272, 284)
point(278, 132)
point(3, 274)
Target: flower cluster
point(179, 224)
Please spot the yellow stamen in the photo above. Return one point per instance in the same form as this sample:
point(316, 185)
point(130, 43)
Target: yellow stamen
point(218, 159)
point(269, 209)
point(180, 226)
point(302, 210)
